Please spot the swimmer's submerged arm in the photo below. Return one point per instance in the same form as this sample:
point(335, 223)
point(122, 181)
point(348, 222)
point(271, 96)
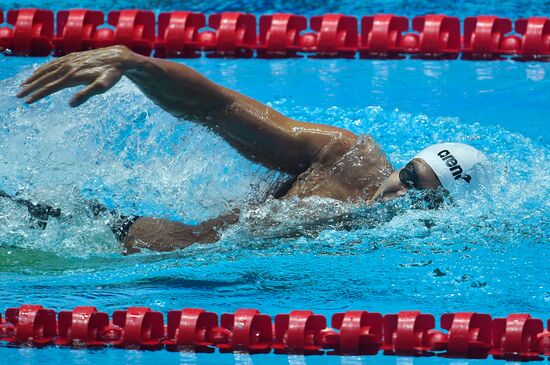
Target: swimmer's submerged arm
point(162, 235)
point(257, 131)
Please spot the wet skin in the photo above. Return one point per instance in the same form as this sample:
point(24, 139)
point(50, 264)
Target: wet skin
point(326, 161)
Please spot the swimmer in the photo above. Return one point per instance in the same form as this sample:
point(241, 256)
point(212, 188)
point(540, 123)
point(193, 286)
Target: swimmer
point(324, 161)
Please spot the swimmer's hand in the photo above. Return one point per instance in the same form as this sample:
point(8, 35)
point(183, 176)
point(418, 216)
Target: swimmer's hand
point(98, 69)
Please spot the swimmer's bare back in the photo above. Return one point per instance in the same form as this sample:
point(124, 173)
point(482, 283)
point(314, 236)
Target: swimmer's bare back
point(321, 157)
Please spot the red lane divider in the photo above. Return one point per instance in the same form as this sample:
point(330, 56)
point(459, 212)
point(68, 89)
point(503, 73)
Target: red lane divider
point(469, 335)
point(410, 333)
point(76, 29)
point(178, 34)
point(30, 33)
point(485, 37)
point(29, 325)
point(280, 35)
point(438, 37)
point(543, 343)
point(134, 29)
point(234, 34)
point(381, 36)
point(300, 332)
point(536, 37)
point(335, 35)
point(82, 326)
point(515, 337)
point(359, 333)
point(193, 330)
point(248, 331)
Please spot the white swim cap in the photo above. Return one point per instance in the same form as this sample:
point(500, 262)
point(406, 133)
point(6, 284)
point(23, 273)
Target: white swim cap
point(457, 165)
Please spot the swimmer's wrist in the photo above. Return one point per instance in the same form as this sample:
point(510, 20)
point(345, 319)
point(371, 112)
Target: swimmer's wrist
point(129, 60)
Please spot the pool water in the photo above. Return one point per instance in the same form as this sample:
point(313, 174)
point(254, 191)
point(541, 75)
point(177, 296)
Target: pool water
point(488, 254)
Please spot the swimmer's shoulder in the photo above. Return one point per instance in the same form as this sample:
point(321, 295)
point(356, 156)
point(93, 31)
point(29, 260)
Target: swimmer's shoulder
point(374, 154)
point(371, 147)
point(335, 149)
point(365, 166)
point(363, 147)
point(361, 154)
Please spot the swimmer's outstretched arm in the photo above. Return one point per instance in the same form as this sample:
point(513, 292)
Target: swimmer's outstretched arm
point(257, 131)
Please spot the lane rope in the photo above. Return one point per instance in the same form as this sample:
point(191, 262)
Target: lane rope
point(409, 333)
point(185, 34)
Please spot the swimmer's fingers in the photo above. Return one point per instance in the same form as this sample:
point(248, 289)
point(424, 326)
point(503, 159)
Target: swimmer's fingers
point(44, 70)
point(42, 81)
point(97, 87)
point(50, 88)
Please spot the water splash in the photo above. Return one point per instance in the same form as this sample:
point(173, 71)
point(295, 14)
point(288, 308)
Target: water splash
point(121, 150)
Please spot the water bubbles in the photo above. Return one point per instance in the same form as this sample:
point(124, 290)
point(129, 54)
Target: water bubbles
point(535, 72)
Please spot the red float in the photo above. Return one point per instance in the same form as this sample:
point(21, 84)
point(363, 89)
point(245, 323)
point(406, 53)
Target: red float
point(137, 327)
point(249, 331)
point(536, 37)
point(543, 341)
point(485, 38)
point(134, 29)
point(515, 336)
point(336, 36)
point(234, 35)
point(469, 335)
point(81, 327)
point(6, 329)
point(410, 333)
point(381, 35)
point(31, 33)
point(359, 333)
point(75, 30)
point(191, 329)
point(178, 34)
point(30, 324)
point(280, 35)
point(300, 332)
point(438, 36)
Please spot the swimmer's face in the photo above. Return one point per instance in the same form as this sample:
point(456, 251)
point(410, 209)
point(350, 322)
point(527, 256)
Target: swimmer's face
point(416, 174)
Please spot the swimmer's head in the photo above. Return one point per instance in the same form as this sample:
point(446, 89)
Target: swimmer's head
point(453, 168)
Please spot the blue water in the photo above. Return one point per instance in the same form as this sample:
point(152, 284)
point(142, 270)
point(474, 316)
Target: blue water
point(489, 254)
